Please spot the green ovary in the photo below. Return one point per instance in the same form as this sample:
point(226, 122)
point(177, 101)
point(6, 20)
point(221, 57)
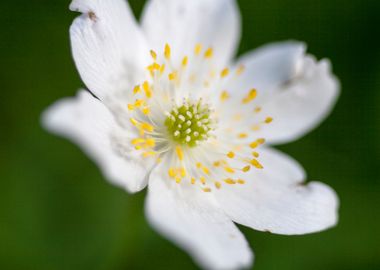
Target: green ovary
point(189, 124)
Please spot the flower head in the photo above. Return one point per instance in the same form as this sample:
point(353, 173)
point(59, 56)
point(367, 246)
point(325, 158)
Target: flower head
point(173, 111)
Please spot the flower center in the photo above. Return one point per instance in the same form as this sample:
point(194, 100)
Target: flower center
point(190, 123)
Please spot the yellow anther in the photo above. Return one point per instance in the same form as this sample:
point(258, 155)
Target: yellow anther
point(146, 110)
point(179, 152)
point(192, 180)
point(224, 73)
point(243, 135)
point(203, 180)
point(147, 127)
point(149, 154)
point(218, 185)
point(261, 141)
point(216, 164)
point(240, 70)
point(172, 76)
point(138, 147)
point(185, 61)
point(251, 96)
point(229, 181)
point(178, 180)
point(256, 128)
point(256, 163)
point(154, 67)
point(199, 165)
point(139, 102)
point(182, 171)
point(206, 170)
point(241, 181)
point(255, 154)
point(137, 141)
point(131, 107)
point(257, 109)
point(229, 169)
point(268, 120)
point(133, 121)
point(137, 89)
point(207, 189)
point(167, 52)
point(256, 143)
point(162, 69)
point(209, 53)
point(147, 90)
point(198, 49)
point(150, 142)
point(171, 172)
point(153, 54)
point(246, 168)
point(224, 96)
point(231, 154)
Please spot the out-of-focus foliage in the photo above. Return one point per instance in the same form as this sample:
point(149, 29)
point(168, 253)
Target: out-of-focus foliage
point(57, 211)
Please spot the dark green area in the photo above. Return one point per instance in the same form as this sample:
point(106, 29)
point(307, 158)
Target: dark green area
point(56, 210)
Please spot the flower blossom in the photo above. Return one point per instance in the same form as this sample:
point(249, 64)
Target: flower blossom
point(168, 108)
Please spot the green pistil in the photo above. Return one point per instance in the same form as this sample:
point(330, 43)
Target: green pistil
point(189, 124)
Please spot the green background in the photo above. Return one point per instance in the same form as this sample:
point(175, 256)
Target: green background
point(57, 211)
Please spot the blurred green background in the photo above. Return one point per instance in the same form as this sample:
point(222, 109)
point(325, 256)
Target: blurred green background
point(57, 211)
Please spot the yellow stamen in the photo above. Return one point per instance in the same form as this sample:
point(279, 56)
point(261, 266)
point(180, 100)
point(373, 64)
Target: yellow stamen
point(268, 120)
point(137, 89)
point(251, 96)
point(243, 135)
point(207, 189)
point(147, 127)
point(256, 163)
point(133, 121)
point(153, 54)
point(209, 53)
point(146, 110)
point(246, 168)
point(167, 52)
point(131, 107)
point(179, 152)
point(192, 180)
point(203, 180)
point(218, 185)
point(185, 61)
point(224, 73)
point(258, 109)
point(172, 76)
point(147, 90)
point(231, 154)
point(241, 181)
point(137, 141)
point(255, 154)
point(229, 169)
point(229, 181)
point(171, 172)
point(198, 49)
point(224, 96)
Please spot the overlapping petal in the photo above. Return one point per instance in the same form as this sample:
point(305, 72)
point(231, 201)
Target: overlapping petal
point(293, 88)
point(87, 122)
point(183, 24)
point(108, 47)
point(275, 199)
point(193, 220)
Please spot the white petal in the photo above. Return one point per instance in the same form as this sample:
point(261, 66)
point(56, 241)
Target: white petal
point(183, 24)
point(294, 89)
point(194, 222)
point(87, 122)
point(276, 200)
point(108, 46)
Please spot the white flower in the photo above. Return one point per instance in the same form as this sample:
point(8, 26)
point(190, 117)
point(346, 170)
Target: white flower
point(175, 113)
